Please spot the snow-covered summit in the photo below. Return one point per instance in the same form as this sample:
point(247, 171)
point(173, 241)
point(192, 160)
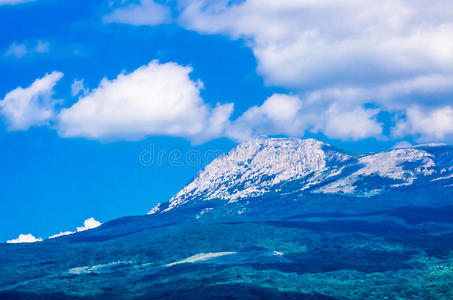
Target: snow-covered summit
point(286, 165)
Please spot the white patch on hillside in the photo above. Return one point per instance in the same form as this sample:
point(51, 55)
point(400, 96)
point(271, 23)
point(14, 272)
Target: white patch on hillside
point(386, 165)
point(60, 234)
point(200, 257)
point(203, 212)
point(100, 268)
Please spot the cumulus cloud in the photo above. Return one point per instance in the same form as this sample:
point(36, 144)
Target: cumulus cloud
point(291, 115)
point(146, 12)
point(31, 106)
point(304, 43)
point(24, 238)
point(426, 124)
point(90, 223)
point(162, 99)
point(394, 54)
point(351, 123)
point(279, 114)
point(392, 96)
point(19, 50)
point(155, 99)
point(337, 56)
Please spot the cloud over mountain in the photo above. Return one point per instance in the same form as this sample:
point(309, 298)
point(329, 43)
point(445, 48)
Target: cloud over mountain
point(437, 123)
point(308, 43)
point(394, 54)
point(24, 238)
point(155, 99)
point(89, 223)
point(293, 116)
point(338, 56)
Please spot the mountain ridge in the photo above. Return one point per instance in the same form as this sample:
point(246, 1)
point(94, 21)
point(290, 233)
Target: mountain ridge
point(269, 165)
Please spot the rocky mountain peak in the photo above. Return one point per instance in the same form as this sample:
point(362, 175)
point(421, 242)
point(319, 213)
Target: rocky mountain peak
point(290, 165)
point(255, 166)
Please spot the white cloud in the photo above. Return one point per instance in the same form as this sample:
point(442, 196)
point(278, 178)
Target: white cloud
point(162, 99)
point(31, 106)
point(393, 96)
point(77, 87)
point(89, 224)
point(402, 145)
point(24, 238)
point(19, 50)
point(279, 114)
point(341, 55)
point(42, 47)
point(306, 43)
point(352, 123)
point(337, 56)
point(426, 124)
point(146, 12)
point(291, 115)
point(155, 99)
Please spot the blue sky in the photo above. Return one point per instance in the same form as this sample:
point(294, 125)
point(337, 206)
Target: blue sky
point(88, 86)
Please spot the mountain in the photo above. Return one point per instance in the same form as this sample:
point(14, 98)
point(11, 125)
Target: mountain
point(272, 219)
point(285, 168)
